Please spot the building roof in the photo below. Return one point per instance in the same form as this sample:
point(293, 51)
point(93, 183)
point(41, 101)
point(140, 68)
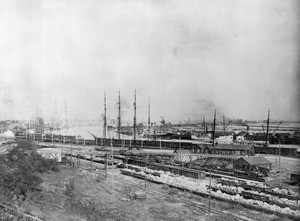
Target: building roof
point(182, 152)
point(256, 160)
point(202, 146)
point(150, 151)
point(231, 147)
point(49, 151)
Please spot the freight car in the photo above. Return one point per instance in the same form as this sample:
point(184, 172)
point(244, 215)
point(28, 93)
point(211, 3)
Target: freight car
point(154, 144)
point(284, 151)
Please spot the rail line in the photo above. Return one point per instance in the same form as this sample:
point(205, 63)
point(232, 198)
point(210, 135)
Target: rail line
point(19, 212)
point(196, 205)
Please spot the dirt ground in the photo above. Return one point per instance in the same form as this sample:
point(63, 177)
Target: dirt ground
point(287, 166)
point(94, 197)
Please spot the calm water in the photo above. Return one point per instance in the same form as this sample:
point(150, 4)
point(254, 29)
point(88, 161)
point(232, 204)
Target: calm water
point(97, 130)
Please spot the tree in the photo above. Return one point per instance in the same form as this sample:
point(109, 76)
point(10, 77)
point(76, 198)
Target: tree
point(20, 170)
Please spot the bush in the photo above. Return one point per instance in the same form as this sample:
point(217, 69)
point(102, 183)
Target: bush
point(70, 187)
point(19, 182)
point(26, 145)
point(20, 169)
point(173, 191)
point(42, 164)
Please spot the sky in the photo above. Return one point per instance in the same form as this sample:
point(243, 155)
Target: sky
point(240, 57)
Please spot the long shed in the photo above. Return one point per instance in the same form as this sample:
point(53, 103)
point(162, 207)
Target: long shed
point(233, 149)
point(201, 148)
point(252, 161)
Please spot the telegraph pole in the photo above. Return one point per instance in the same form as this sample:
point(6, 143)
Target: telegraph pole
point(112, 168)
point(268, 122)
point(149, 119)
point(55, 107)
point(104, 118)
point(279, 167)
point(119, 118)
point(134, 118)
point(209, 197)
point(214, 128)
point(146, 158)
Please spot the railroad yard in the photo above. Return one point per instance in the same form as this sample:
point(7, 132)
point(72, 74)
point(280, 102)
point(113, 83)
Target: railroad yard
point(159, 191)
point(115, 198)
point(149, 110)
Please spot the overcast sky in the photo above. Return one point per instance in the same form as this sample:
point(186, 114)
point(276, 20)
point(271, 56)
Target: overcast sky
point(238, 56)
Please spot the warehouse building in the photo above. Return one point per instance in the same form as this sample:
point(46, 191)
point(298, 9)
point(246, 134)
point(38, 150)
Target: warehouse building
point(230, 149)
point(258, 161)
point(201, 148)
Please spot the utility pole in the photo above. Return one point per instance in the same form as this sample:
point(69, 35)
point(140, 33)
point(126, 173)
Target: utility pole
point(119, 118)
point(268, 121)
point(71, 154)
point(134, 118)
point(106, 161)
point(149, 119)
point(112, 169)
point(179, 142)
point(214, 128)
point(209, 191)
point(146, 158)
point(279, 168)
point(104, 118)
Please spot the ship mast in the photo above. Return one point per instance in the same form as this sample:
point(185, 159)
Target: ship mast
point(66, 114)
point(119, 118)
point(55, 116)
point(134, 117)
point(104, 118)
point(149, 119)
point(55, 107)
point(268, 122)
point(224, 125)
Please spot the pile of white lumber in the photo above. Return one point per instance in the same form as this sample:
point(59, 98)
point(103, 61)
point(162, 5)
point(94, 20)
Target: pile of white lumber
point(201, 186)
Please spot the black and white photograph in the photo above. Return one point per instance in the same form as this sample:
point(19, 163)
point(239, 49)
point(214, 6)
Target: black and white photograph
point(149, 110)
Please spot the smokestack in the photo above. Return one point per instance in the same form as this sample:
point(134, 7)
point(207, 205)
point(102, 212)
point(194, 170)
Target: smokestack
point(268, 122)
point(214, 128)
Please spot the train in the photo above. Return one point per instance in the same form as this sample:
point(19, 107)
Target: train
point(187, 169)
point(147, 144)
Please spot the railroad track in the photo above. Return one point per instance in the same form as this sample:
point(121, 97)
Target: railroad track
point(190, 203)
point(19, 212)
point(198, 206)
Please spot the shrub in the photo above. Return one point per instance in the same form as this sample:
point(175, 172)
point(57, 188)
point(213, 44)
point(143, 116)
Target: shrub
point(20, 169)
point(26, 145)
point(19, 182)
point(173, 191)
point(70, 187)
